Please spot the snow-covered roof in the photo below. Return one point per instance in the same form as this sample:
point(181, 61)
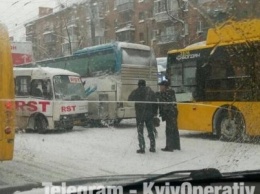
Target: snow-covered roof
point(202, 43)
point(127, 28)
point(42, 72)
point(48, 32)
point(133, 46)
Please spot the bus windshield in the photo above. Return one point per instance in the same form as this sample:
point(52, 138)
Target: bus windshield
point(183, 76)
point(68, 87)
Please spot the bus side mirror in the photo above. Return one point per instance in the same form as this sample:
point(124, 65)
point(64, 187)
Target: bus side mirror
point(83, 83)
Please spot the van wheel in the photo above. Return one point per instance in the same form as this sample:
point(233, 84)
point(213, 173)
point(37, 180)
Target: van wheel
point(69, 128)
point(117, 122)
point(231, 126)
point(40, 124)
point(95, 123)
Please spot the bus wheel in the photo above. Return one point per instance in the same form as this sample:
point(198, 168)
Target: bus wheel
point(40, 124)
point(232, 126)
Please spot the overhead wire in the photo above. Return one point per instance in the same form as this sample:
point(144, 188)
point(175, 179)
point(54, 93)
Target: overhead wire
point(12, 23)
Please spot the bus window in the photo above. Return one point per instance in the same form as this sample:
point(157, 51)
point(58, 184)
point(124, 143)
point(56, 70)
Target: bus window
point(176, 75)
point(203, 71)
point(189, 72)
point(218, 69)
point(183, 76)
point(77, 65)
point(96, 65)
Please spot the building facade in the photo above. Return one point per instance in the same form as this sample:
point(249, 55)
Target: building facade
point(162, 24)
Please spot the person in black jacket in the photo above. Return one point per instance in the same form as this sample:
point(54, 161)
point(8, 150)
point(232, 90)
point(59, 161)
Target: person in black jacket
point(145, 110)
point(169, 113)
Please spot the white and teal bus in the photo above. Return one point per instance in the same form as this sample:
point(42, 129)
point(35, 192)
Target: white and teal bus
point(110, 72)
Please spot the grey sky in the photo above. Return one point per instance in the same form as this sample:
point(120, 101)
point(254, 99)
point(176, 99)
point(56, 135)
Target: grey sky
point(14, 13)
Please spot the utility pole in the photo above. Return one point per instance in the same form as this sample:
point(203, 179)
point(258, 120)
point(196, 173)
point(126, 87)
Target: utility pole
point(92, 20)
point(65, 20)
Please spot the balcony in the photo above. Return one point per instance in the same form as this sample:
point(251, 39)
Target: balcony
point(124, 29)
point(72, 23)
point(163, 16)
point(125, 7)
point(204, 1)
point(126, 34)
point(165, 39)
point(123, 24)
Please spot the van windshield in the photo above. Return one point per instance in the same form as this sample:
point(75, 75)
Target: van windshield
point(68, 87)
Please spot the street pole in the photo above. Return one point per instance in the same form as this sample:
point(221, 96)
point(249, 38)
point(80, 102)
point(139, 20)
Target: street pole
point(92, 22)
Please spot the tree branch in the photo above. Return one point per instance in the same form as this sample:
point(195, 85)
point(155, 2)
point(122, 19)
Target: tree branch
point(173, 18)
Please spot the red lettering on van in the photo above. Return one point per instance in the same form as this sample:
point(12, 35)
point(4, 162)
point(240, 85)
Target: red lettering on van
point(32, 106)
point(68, 108)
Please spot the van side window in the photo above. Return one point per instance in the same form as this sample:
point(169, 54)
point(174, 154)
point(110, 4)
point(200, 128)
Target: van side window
point(36, 88)
point(22, 85)
point(47, 89)
point(41, 89)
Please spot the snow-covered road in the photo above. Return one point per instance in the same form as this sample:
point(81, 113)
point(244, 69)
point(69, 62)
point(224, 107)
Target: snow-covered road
point(86, 152)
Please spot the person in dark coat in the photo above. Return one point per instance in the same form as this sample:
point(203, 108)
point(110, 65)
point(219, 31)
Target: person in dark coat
point(169, 113)
point(145, 112)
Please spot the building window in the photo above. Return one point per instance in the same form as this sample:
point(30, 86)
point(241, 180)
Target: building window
point(168, 34)
point(199, 27)
point(141, 16)
point(71, 32)
point(185, 5)
point(127, 36)
point(186, 29)
point(141, 36)
point(29, 38)
point(99, 40)
point(168, 31)
point(49, 37)
point(120, 2)
point(66, 48)
point(126, 17)
point(161, 5)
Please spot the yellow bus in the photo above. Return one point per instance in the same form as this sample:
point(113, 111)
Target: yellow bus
point(7, 108)
point(217, 81)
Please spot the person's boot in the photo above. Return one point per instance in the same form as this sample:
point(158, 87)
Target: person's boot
point(152, 150)
point(167, 149)
point(140, 151)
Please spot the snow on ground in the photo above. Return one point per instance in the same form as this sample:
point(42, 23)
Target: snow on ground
point(86, 152)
